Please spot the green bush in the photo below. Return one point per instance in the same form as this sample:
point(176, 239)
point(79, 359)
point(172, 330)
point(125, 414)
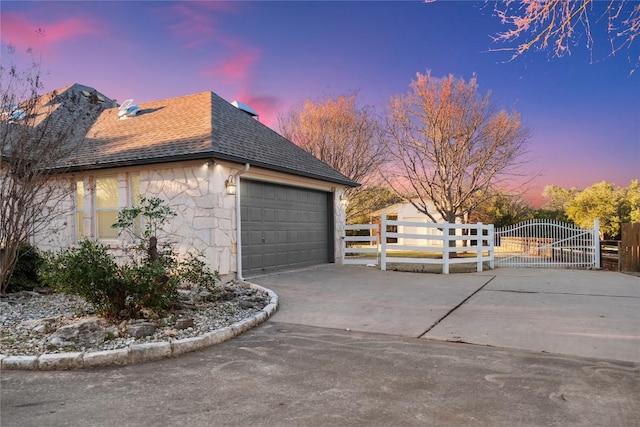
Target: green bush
point(148, 280)
point(25, 273)
point(195, 272)
point(90, 272)
point(150, 285)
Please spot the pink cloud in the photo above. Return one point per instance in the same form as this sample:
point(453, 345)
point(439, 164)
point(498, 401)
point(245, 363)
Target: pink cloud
point(20, 31)
point(267, 106)
point(236, 68)
point(192, 23)
point(192, 26)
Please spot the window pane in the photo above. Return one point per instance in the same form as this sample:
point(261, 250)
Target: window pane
point(107, 192)
point(79, 195)
point(80, 225)
point(105, 220)
point(135, 190)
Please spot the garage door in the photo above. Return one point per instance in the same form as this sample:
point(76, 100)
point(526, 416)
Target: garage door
point(283, 227)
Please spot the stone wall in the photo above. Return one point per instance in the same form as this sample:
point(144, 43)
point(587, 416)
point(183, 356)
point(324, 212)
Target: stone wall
point(205, 220)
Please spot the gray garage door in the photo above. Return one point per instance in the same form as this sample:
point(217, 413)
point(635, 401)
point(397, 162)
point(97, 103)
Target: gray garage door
point(284, 227)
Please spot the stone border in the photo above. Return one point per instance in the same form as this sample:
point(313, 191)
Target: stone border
point(138, 353)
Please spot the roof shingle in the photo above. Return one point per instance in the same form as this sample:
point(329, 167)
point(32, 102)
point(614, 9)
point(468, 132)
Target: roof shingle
point(197, 126)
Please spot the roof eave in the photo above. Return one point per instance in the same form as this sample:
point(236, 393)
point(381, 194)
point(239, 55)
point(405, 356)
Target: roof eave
point(206, 155)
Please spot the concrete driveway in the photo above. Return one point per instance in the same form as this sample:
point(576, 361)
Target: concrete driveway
point(303, 368)
point(572, 312)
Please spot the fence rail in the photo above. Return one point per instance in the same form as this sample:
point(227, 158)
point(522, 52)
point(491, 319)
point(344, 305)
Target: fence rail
point(360, 254)
point(433, 238)
point(546, 244)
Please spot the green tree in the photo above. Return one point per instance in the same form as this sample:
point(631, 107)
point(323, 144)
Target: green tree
point(367, 200)
point(554, 215)
point(503, 209)
point(602, 201)
point(632, 202)
point(558, 198)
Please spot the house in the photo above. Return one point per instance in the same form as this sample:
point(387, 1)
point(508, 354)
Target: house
point(405, 211)
point(247, 199)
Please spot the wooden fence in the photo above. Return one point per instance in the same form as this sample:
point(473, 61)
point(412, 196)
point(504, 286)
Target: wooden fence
point(630, 248)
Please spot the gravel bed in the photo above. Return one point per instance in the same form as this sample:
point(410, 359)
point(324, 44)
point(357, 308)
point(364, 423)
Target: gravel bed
point(28, 320)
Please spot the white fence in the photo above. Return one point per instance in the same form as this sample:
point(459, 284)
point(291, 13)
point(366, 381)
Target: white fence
point(418, 243)
point(537, 243)
point(547, 243)
point(439, 240)
point(358, 253)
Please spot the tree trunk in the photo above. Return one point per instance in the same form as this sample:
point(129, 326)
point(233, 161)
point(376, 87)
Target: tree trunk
point(152, 250)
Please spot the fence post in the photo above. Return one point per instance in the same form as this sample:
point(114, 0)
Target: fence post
point(383, 243)
point(445, 248)
point(343, 245)
point(479, 246)
point(491, 241)
point(596, 243)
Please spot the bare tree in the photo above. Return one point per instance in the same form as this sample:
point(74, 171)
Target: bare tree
point(39, 138)
point(340, 133)
point(449, 145)
point(559, 24)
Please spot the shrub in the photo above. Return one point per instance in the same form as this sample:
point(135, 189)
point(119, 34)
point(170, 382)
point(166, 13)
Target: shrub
point(149, 279)
point(90, 272)
point(25, 273)
point(150, 285)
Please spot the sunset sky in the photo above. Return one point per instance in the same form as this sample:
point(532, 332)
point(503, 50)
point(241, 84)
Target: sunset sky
point(583, 110)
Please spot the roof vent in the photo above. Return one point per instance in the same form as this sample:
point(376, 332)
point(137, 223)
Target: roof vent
point(244, 107)
point(13, 113)
point(127, 110)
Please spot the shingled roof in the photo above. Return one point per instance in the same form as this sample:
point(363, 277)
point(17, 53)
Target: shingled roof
point(198, 126)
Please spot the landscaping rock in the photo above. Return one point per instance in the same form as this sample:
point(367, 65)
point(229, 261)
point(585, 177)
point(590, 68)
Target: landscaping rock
point(85, 333)
point(184, 323)
point(40, 325)
point(141, 329)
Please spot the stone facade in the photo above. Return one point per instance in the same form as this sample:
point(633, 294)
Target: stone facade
point(205, 220)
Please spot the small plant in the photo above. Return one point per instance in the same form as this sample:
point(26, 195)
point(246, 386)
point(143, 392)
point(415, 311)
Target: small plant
point(195, 272)
point(90, 272)
point(25, 273)
point(149, 280)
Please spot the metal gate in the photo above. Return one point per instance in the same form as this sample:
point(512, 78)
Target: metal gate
point(547, 243)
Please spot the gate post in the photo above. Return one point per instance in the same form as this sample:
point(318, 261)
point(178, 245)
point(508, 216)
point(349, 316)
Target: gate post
point(596, 243)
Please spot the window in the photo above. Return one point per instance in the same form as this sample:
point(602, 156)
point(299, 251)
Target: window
point(106, 207)
point(107, 195)
point(80, 210)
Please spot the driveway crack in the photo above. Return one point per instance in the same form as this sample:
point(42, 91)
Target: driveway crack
point(455, 308)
